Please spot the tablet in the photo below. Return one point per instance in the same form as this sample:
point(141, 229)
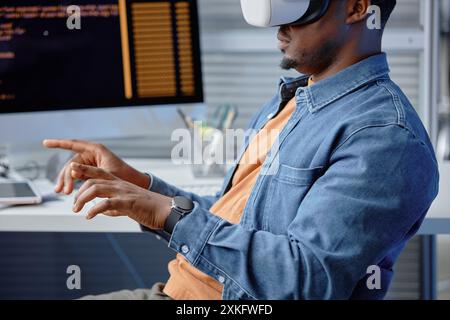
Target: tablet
point(18, 193)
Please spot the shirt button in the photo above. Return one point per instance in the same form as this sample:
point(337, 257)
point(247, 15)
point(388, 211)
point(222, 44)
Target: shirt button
point(221, 279)
point(185, 249)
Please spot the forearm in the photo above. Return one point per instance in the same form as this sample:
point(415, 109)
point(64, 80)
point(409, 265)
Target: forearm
point(140, 179)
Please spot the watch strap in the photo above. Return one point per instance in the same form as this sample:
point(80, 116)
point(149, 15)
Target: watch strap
point(181, 206)
point(171, 221)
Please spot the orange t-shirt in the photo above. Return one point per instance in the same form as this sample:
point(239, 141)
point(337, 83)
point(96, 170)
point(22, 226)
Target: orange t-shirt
point(188, 283)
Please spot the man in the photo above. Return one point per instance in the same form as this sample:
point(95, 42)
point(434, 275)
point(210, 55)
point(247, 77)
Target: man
point(355, 174)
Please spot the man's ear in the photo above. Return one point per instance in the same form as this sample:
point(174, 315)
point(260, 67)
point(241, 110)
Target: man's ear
point(357, 10)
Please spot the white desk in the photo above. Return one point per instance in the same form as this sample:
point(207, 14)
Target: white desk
point(57, 216)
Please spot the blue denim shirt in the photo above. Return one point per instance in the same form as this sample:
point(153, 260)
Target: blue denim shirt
point(355, 176)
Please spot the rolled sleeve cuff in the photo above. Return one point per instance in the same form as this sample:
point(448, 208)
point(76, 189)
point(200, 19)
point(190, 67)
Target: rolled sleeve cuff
point(158, 185)
point(151, 180)
point(192, 233)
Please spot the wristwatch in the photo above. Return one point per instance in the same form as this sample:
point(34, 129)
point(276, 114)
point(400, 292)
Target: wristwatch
point(181, 207)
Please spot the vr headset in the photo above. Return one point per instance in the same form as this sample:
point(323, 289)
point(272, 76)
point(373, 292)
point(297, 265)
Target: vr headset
point(274, 13)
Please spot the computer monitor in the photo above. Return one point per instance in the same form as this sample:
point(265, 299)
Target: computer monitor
point(85, 68)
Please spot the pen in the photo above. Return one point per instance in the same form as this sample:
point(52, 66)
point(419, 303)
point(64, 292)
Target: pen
point(231, 116)
point(186, 119)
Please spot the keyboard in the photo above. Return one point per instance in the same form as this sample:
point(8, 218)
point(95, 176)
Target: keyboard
point(45, 187)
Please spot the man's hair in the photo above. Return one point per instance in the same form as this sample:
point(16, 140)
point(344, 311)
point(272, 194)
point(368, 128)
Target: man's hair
point(386, 6)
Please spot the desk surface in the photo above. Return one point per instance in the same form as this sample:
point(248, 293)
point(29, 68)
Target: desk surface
point(56, 216)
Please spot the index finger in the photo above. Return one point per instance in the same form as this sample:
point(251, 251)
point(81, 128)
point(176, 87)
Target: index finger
point(70, 145)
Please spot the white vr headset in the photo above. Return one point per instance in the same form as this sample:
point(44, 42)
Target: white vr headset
point(274, 13)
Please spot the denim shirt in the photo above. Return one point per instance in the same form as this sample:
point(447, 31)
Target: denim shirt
point(355, 174)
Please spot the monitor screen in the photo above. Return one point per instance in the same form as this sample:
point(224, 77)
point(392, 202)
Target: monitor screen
point(61, 54)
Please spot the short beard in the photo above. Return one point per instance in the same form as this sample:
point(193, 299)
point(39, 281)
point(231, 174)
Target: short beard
point(288, 63)
point(322, 58)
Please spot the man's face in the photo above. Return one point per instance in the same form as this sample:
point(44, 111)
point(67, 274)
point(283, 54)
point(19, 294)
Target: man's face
point(311, 48)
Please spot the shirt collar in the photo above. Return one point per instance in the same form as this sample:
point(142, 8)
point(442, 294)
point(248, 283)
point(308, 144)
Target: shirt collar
point(326, 91)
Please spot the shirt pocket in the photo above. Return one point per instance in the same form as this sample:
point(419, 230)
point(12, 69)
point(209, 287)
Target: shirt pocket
point(287, 189)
